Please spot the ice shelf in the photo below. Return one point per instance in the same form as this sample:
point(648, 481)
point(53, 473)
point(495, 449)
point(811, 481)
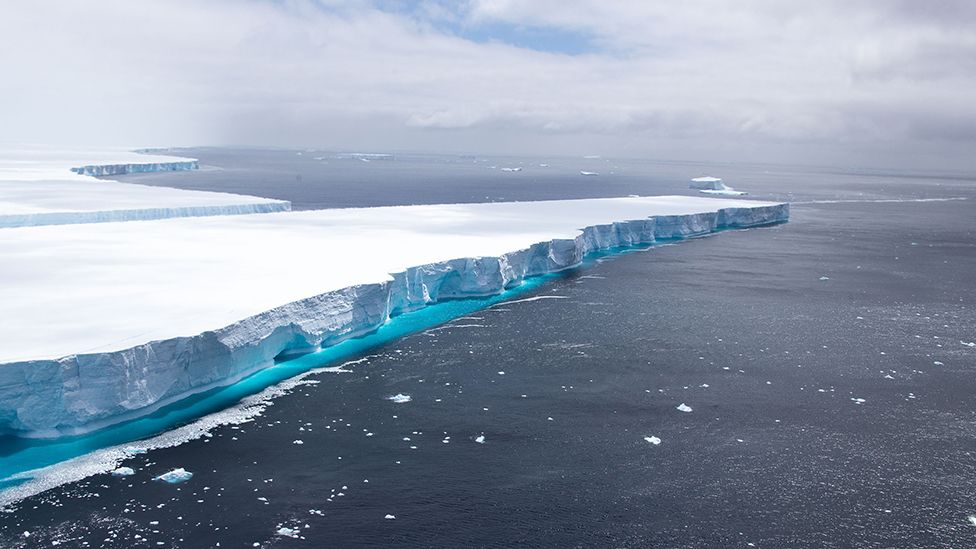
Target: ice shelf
point(102, 322)
point(45, 186)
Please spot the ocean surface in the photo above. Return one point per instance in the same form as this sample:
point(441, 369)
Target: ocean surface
point(811, 384)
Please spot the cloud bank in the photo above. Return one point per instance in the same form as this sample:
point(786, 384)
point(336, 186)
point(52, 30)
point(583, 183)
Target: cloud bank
point(842, 82)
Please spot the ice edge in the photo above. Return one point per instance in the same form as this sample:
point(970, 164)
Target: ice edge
point(140, 214)
point(81, 393)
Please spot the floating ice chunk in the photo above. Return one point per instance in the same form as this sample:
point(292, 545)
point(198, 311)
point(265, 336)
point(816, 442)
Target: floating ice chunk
point(969, 343)
point(588, 173)
point(824, 278)
point(288, 532)
point(123, 472)
point(972, 519)
point(511, 169)
point(858, 400)
point(175, 476)
point(937, 363)
point(480, 439)
point(390, 517)
point(400, 398)
point(683, 407)
point(299, 441)
point(653, 440)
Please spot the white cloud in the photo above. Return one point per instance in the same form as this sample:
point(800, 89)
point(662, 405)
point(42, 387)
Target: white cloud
point(883, 77)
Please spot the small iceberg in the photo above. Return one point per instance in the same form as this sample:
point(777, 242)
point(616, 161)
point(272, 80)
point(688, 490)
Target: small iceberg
point(511, 169)
point(123, 472)
point(653, 440)
point(288, 532)
point(390, 517)
point(683, 407)
point(400, 398)
point(713, 186)
point(175, 476)
point(480, 439)
point(588, 173)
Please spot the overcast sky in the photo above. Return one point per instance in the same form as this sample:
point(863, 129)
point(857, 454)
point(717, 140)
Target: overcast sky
point(840, 82)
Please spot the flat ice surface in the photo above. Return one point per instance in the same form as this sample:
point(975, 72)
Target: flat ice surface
point(72, 289)
point(37, 186)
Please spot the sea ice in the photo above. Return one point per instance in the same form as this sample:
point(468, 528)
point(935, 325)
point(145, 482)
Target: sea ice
point(588, 173)
point(390, 517)
point(683, 407)
point(288, 532)
point(653, 440)
point(480, 439)
point(123, 472)
point(175, 476)
point(400, 398)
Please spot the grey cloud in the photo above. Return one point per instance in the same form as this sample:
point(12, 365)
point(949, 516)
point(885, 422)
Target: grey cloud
point(752, 76)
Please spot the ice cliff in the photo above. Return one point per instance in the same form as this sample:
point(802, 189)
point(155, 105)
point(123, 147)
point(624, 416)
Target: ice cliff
point(85, 391)
point(98, 170)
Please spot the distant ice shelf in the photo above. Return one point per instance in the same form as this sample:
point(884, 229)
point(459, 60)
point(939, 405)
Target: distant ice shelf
point(48, 186)
point(100, 323)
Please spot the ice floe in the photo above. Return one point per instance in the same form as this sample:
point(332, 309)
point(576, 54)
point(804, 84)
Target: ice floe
point(175, 476)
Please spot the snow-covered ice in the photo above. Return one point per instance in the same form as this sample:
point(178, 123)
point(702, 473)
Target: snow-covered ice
point(44, 186)
point(100, 322)
point(399, 398)
point(653, 440)
point(123, 472)
point(683, 407)
point(175, 476)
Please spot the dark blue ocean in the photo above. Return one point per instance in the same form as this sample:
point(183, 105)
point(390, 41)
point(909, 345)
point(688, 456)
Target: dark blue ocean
point(829, 365)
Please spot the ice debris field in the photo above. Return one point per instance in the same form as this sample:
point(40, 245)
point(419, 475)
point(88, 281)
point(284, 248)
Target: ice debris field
point(102, 322)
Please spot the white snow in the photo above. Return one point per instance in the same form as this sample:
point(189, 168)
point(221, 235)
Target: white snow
point(38, 187)
point(175, 476)
point(106, 314)
point(123, 472)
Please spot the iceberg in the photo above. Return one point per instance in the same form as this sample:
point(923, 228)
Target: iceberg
point(175, 476)
point(713, 186)
point(100, 324)
point(55, 187)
